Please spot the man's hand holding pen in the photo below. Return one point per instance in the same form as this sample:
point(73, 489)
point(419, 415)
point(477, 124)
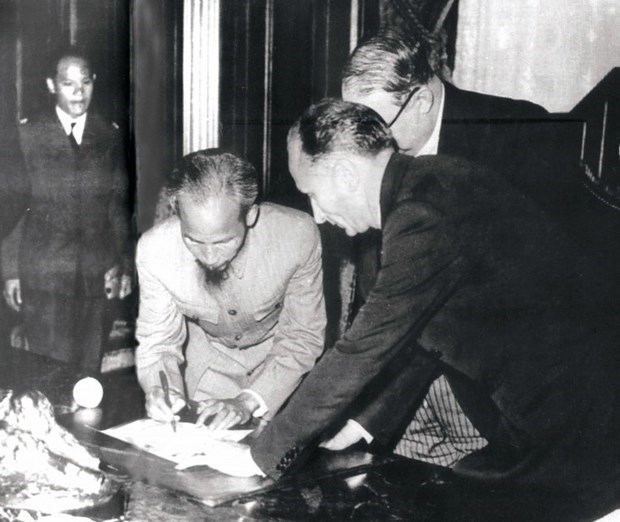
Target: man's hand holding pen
point(156, 407)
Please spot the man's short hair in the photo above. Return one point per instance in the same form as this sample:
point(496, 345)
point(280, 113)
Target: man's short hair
point(213, 172)
point(68, 51)
point(336, 125)
point(390, 61)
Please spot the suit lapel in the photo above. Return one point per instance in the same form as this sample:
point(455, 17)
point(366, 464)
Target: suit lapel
point(89, 138)
point(55, 136)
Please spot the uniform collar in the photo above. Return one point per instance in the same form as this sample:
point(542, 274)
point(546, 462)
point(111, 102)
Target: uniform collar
point(238, 264)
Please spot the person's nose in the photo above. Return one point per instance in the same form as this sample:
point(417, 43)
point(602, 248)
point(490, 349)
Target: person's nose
point(319, 215)
point(210, 255)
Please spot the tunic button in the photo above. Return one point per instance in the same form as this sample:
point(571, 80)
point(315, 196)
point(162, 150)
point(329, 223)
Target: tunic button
point(238, 337)
point(232, 312)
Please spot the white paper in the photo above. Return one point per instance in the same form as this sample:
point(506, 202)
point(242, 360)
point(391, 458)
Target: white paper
point(159, 438)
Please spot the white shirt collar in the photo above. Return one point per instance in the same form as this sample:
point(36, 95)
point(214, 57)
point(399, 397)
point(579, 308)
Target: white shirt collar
point(66, 121)
point(432, 145)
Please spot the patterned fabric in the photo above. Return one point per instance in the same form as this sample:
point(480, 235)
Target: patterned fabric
point(440, 432)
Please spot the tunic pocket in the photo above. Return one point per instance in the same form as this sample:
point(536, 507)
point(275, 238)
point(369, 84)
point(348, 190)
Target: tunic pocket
point(268, 308)
point(199, 312)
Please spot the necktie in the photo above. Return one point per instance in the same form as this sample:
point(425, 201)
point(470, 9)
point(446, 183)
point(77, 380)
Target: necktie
point(74, 143)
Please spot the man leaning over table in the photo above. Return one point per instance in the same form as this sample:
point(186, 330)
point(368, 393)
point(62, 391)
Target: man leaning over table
point(231, 296)
point(392, 74)
point(473, 274)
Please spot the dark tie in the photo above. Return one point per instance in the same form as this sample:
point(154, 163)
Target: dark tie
point(74, 143)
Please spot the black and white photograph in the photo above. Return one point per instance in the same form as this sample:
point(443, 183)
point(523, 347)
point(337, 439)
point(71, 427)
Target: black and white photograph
point(309, 260)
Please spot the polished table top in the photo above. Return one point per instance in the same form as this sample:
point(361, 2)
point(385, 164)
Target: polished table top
point(350, 485)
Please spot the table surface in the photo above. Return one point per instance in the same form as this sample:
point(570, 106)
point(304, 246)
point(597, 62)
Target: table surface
point(351, 485)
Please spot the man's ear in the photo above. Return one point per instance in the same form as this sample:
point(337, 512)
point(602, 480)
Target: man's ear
point(424, 100)
point(51, 87)
point(345, 173)
point(172, 202)
point(252, 216)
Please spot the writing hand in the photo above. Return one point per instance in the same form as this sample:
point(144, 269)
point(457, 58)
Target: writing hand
point(156, 407)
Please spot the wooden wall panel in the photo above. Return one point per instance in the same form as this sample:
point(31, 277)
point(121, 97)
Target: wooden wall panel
point(296, 48)
point(157, 98)
point(242, 81)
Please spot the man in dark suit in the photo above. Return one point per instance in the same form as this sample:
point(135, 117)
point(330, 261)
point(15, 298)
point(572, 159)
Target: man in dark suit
point(475, 276)
point(392, 74)
point(75, 238)
point(13, 181)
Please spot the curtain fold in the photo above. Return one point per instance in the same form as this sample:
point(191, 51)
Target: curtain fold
point(552, 53)
point(201, 71)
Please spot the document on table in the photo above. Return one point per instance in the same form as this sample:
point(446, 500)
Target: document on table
point(159, 438)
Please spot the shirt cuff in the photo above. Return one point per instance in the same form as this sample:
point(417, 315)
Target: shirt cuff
point(360, 430)
point(253, 467)
point(262, 405)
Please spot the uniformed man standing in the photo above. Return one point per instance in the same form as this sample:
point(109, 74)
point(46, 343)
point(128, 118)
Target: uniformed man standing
point(76, 235)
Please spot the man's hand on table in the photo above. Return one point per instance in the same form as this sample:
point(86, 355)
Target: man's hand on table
point(156, 407)
point(231, 458)
point(227, 413)
point(350, 433)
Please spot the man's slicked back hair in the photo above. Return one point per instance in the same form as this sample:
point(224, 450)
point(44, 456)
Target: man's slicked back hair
point(212, 173)
point(68, 51)
point(391, 62)
point(335, 125)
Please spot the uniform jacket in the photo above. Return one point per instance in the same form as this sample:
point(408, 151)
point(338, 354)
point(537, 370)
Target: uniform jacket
point(274, 295)
point(78, 224)
point(474, 275)
point(13, 181)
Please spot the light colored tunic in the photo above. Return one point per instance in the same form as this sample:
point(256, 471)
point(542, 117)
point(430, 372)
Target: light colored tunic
point(261, 329)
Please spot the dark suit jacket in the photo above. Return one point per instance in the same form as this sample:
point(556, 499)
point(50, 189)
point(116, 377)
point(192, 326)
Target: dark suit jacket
point(513, 137)
point(471, 270)
point(78, 223)
point(14, 187)
point(517, 139)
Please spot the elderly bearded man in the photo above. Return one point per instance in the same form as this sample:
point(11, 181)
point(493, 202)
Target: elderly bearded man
point(231, 291)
